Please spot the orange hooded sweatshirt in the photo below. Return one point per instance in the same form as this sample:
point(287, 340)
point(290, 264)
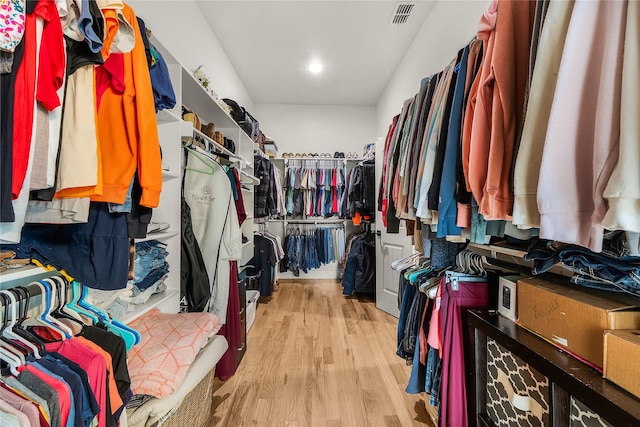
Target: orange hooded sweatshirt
point(128, 131)
point(500, 100)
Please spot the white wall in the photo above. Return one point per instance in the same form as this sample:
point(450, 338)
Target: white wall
point(449, 27)
point(317, 128)
point(181, 28)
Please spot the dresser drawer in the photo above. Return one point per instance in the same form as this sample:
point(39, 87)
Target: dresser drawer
point(582, 416)
point(517, 394)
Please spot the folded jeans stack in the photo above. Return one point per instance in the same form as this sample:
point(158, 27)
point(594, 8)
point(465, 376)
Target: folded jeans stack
point(613, 269)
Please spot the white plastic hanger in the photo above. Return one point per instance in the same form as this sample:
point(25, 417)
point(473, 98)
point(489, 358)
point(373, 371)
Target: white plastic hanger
point(8, 353)
point(8, 332)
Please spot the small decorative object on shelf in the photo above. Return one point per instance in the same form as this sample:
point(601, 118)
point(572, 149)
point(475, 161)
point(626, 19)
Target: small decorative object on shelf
point(202, 77)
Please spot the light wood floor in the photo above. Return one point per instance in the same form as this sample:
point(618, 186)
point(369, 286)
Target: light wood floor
point(316, 358)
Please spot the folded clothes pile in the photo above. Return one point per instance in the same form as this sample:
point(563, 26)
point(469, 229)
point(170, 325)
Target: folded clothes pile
point(150, 269)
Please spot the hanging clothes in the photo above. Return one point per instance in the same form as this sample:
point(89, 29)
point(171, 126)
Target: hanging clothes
point(314, 188)
point(264, 262)
point(195, 289)
point(360, 191)
point(268, 201)
point(231, 330)
point(215, 223)
point(80, 381)
point(309, 246)
point(360, 264)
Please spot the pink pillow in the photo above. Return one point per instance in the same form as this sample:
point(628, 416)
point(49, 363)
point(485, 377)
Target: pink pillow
point(170, 343)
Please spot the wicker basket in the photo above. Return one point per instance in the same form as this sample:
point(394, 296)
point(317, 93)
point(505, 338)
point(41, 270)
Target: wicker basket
point(195, 408)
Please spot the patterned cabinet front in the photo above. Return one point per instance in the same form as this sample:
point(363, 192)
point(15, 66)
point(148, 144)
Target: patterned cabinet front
point(517, 394)
point(519, 379)
point(582, 416)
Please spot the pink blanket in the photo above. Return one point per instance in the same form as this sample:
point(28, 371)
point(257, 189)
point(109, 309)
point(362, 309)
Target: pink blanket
point(170, 343)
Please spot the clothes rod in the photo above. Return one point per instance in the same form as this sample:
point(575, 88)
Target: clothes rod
point(314, 159)
point(313, 221)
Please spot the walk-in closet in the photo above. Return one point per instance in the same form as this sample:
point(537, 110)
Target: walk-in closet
point(319, 213)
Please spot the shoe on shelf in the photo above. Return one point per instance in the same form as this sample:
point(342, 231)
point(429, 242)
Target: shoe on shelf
point(209, 130)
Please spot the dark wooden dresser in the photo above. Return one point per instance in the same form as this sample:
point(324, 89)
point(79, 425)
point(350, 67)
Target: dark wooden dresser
point(515, 378)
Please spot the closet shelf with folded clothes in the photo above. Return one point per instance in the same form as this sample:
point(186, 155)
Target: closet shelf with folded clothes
point(513, 256)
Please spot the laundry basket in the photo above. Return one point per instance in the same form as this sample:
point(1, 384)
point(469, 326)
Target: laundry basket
point(195, 408)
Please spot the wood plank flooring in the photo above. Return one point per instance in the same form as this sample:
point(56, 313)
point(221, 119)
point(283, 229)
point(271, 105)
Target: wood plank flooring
point(317, 359)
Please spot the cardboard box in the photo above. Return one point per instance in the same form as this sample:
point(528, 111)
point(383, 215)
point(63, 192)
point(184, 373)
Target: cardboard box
point(622, 359)
point(574, 318)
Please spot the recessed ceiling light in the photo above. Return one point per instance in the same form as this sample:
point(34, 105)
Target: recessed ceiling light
point(315, 67)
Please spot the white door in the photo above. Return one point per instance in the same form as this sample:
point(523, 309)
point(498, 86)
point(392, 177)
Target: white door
point(389, 247)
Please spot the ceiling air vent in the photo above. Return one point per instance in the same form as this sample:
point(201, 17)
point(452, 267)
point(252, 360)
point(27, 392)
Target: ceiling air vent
point(401, 12)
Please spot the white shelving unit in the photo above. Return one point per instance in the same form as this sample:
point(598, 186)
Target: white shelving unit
point(171, 130)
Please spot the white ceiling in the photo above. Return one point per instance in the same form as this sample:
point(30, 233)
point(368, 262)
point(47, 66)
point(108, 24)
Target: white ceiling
point(269, 43)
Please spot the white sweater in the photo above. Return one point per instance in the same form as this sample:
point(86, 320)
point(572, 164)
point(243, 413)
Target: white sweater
point(623, 189)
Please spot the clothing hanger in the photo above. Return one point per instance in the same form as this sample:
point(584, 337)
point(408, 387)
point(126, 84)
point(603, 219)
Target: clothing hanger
point(50, 304)
point(206, 161)
point(58, 288)
point(63, 299)
point(129, 336)
point(12, 359)
point(23, 298)
point(39, 319)
point(74, 304)
point(8, 340)
point(404, 260)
